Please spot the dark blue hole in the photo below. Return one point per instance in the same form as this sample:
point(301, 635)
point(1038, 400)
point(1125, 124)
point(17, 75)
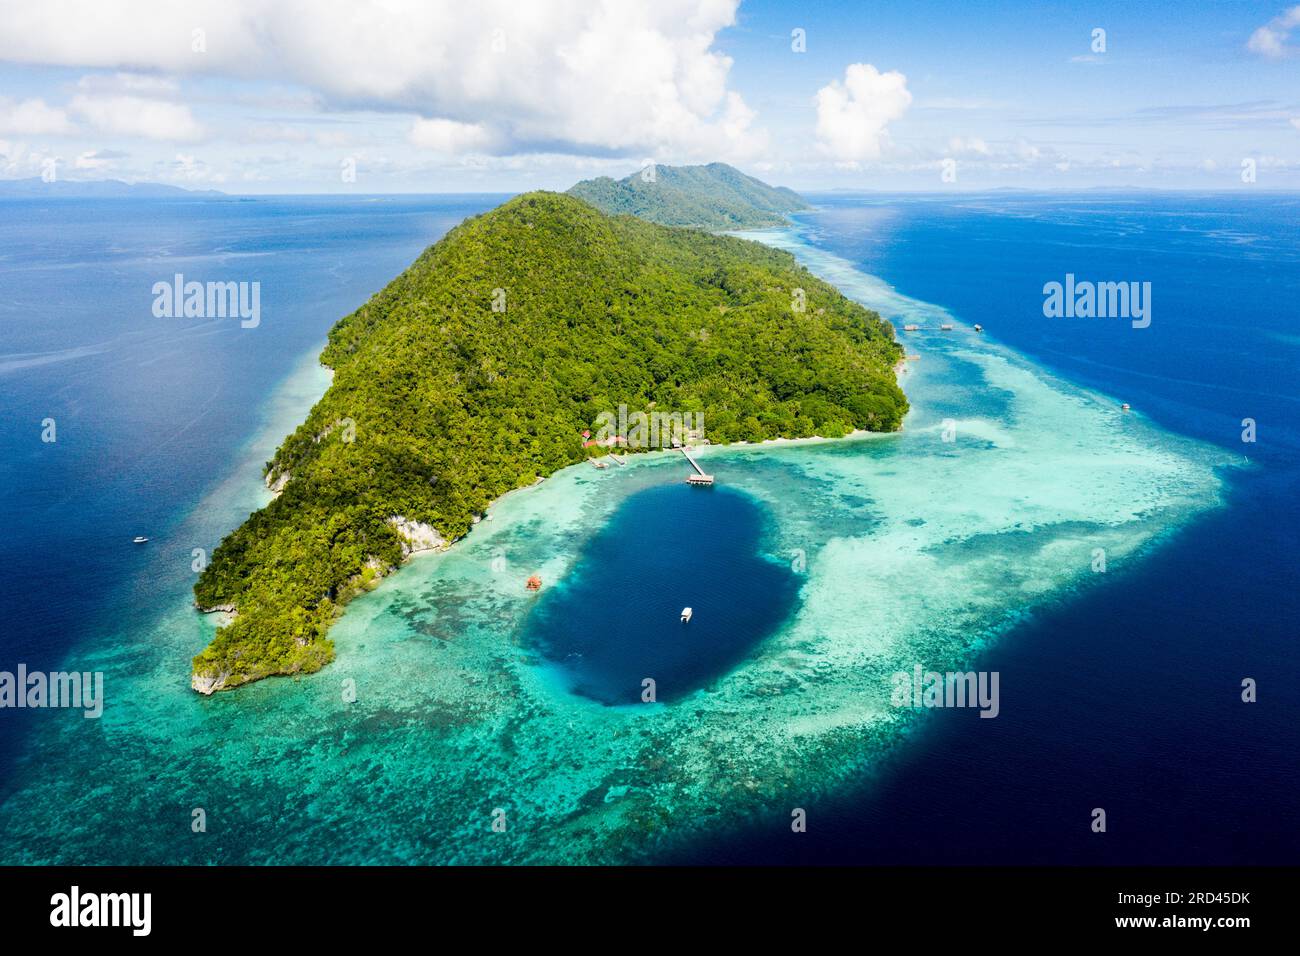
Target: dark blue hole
point(617, 619)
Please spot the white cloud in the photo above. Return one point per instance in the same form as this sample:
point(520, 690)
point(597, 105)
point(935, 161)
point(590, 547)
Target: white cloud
point(1018, 155)
point(1272, 39)
point(137, 116)
point(1295, 121)
point(32, 117)
point(637, 76)
point(97, 160)
point(853, 116)
point(16, 159)
point(129, 84)
point(274, 132)
point(970, 146)
point(187, 168)
point(1028, 152)
point(1266, 41)
point(450, 137)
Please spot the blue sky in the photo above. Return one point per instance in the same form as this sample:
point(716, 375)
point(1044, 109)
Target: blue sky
point(349, 96)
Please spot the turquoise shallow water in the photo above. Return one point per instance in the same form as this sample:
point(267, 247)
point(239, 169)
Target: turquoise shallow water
point(911, 549)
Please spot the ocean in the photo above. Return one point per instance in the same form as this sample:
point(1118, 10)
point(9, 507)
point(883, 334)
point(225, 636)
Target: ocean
point(151, 414)
point(1129, 697)
point(816, 570)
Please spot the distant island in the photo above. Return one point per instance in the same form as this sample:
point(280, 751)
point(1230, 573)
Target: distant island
point(477, 370)
point(717, 197)
point(35, 187)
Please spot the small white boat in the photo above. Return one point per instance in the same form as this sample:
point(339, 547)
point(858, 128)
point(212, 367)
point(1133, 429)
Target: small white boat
point(1125, 407)
point(139, 539)
point(686, 614)
point(979, 328)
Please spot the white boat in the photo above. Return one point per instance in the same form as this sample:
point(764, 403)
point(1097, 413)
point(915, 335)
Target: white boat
point(686, 614)
point(139, 539)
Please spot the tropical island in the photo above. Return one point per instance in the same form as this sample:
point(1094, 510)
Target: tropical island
point(716, 197)
point(476, 372)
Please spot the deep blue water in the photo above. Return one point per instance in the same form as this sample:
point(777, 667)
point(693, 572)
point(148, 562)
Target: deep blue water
point(616, 620)
point(1126, 698)
point(151, 412)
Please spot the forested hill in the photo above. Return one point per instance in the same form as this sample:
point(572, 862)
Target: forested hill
point(476, 371)
point(716, 196)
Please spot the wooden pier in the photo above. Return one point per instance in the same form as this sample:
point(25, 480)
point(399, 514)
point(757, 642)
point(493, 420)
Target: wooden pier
point(699, 478)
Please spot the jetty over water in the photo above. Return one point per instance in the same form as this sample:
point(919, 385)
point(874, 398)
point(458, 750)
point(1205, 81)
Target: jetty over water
point(699, 478)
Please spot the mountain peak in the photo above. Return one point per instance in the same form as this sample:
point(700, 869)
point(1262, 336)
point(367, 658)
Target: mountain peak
point(715, 196)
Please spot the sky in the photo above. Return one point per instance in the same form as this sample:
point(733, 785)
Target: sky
point(384, 96)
